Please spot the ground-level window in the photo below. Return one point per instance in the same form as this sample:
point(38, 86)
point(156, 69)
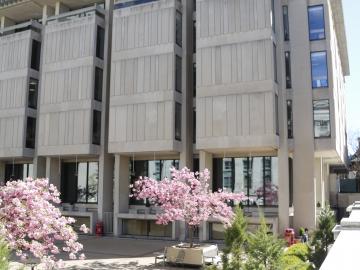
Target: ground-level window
point(79, 182)
point(257, 177)
point(138, 227)
point(18, 171)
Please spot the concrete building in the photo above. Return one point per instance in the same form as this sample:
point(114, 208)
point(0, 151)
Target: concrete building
point(252, 90)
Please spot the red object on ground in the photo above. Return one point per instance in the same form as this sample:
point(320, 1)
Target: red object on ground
point(99, 228)
point(289, 236)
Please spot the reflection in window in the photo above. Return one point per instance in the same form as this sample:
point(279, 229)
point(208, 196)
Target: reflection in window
point(177, 121)
point(30, 132)
point(289, 119)
point(178, 34)
point(319, 70)
point(288, 69)
point(33, 93)
point(316, 22)
point(178, 73)
point(98, 84)
point(286, 23)
point(257, 177)
point(321, 118)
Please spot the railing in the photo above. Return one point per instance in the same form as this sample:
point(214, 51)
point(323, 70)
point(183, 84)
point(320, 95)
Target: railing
point(30, 25)
point(84, 12)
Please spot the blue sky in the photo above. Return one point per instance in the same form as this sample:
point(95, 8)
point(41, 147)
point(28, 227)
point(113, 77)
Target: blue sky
point(352, 24)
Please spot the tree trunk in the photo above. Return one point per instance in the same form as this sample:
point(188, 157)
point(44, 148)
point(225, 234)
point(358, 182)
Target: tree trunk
point(191, 235)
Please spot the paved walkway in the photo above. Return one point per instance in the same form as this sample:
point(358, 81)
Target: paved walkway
point(117, 253)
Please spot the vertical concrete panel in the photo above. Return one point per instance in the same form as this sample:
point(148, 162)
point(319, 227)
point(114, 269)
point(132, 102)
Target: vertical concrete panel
point(219, 115)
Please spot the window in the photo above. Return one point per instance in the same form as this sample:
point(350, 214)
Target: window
point(316, 22)
point(321, 118)
point(286, 23)
point(319, 72)
point(277, 114)
point(275, 62)
point(18, 171)
point(194, 125)
point(178, 73)
point(257, 177)
point(194, 79)
point(194, 36)
point(35, 55)
point(98, 84)
point(178, 30)
point(79, 182)
point(177, 121)
point(30, 132)
point(100, 39)
point(96, 132)
point(129, 3)
point(273, 15)
point(33, 93)
point(288, 70)
point(289, 119)
point(141, 227)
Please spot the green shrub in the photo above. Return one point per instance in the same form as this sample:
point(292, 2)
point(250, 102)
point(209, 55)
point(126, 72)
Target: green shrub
point(300, 250)
point(297, 257)
point(301, 231)
point(4, 255)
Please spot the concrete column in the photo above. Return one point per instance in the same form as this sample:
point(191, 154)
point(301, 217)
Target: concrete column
point(283, 192)
point(53, 173)
point(105, 187)
point(121, 189)
point(326, 178)
point(2, 173)
point(205, 162)
point(60, 8)
point(5, 22)
point(39, 167)
point(318, 178)
point(47, 12)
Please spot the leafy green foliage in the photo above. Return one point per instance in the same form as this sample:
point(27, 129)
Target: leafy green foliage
point(235, 239)
point(4, 255)
point(264, 250)
point(297, 257)
point(323, 236)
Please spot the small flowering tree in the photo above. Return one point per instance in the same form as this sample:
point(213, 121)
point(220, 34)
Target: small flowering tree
point(30, 222)
point(186, 197)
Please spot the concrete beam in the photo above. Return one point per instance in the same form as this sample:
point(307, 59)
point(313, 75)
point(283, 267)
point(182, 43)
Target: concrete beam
point(47, 12)
point(5, 22)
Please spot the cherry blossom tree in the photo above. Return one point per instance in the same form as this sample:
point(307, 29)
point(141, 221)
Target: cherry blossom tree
point(31, 224)
point(186, 197)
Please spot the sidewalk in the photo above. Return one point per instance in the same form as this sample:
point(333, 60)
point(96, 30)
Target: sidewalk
point(117, 253)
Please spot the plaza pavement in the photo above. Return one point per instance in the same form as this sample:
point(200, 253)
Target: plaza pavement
point(116, 253)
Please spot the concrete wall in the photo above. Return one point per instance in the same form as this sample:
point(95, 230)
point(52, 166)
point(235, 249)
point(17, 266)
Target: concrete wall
point(67, 87)
point(15, 55)
point(235, 100)
point(142, 99)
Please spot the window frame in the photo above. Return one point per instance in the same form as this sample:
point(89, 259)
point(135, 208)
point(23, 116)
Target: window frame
point(312, 72)
point(330, 129)
point(308, 13)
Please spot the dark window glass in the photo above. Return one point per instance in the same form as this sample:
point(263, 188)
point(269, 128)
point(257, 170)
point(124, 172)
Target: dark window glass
point(217, 231)
point(98, 84)
point(194, 79)
point(177, 121)
point(30, 132)
point(273, 15)
point(178, 73)
point(194, 125)
point(100, 42)
point(288, 70)
point(79, 182)
point(291, 182)
point(319, 72)
point(178, 31)
point(321, 118)
point(18, 171)
point(96, 133)
point(35, 55)
point(277, 114)
point(286, 23)
point(316, 22)
point(131, 3)
point(33, 93)
point(145, 228)
point(194, 36)
point(289, 119)
point(257, 177)
point(275, 62)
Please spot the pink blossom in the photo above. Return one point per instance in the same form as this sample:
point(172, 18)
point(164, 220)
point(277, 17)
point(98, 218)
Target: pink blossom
point(84, 229)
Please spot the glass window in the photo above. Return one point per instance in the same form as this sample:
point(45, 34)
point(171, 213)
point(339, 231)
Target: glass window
point(275, 62)
point(321, 118)
point(18, 171)
point(177, 121)
point(30, 132)
point(100, 39)
point(178, 73)
point(316, 22)
point(319, 72)
point(288, 70)
point(98, 84)
point(194, 36)
point(178, 26)
point(289, 119)
point(286, 23)
point(33, 93)
point(217, 231)
point(194, 79)
point(35, 55)
point(79, 182)
point(145, 228)
point(96, 132)
point(129, 3)
point(273, 15)
point(194, 125)
point(277, 114)
point(257, 177)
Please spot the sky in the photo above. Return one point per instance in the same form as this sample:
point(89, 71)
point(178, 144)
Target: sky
point(352, 25)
